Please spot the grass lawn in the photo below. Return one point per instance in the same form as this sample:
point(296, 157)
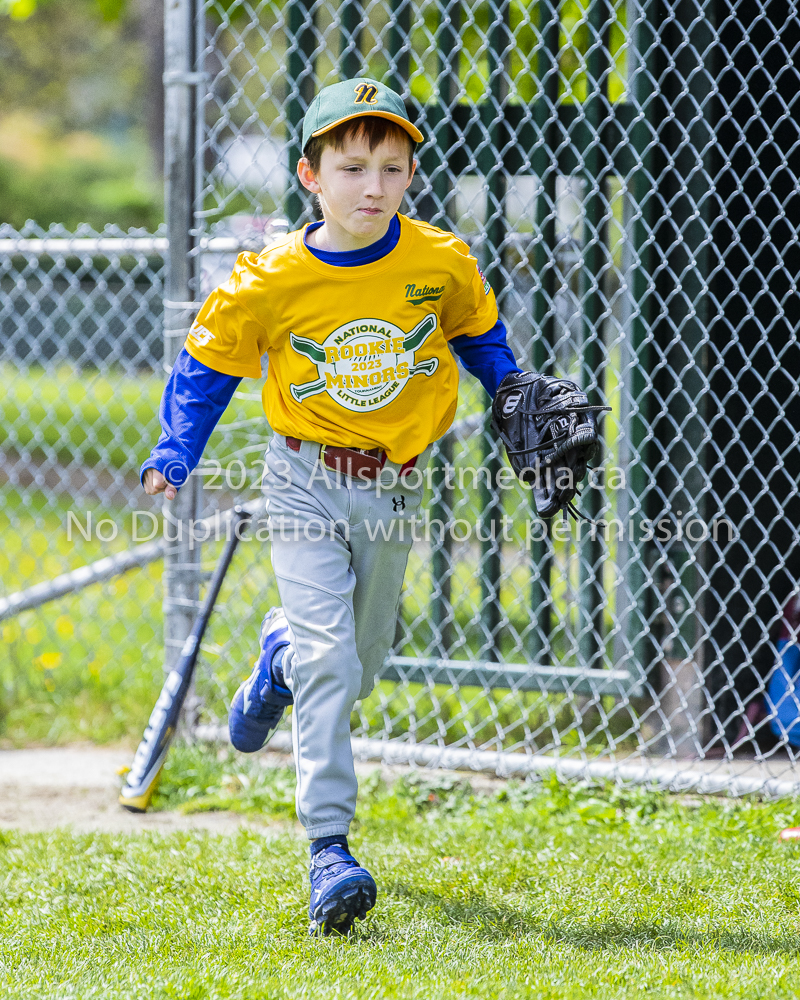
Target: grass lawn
point(89, 665)
point(536, 891)
point(108, 419)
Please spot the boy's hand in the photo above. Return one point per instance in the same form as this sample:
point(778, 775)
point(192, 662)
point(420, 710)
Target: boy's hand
point(155, 483)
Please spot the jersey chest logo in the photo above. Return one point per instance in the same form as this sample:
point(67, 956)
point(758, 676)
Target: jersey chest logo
point(365, 364)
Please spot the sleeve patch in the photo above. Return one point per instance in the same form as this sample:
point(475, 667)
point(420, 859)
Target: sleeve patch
point(200, 335)
point(486, 286)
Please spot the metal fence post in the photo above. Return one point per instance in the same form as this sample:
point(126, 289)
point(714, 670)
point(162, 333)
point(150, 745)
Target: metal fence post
point(637, 376)
point(686, 239)
point(439, 119)
point(182, 562)
point(545, 168)
point(595, 262)
point(493, 167)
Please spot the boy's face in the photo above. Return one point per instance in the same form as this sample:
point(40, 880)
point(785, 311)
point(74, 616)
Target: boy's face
point(359, 190)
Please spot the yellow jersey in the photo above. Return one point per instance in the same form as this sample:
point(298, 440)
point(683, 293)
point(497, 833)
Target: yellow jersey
point(358, 356)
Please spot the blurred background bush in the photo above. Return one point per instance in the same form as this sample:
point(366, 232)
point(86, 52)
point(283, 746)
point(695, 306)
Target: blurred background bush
point(81, 102)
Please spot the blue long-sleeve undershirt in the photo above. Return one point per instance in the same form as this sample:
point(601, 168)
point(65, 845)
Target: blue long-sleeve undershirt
point(196, 396)
point(487, 357)
point(194, 399)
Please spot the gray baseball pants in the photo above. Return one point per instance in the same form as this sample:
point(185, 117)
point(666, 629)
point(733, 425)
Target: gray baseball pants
point(339, 552)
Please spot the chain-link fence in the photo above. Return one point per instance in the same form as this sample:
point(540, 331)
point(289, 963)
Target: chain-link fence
point(81, 320)
point(627, 176)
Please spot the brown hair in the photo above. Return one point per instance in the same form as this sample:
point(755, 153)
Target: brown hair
point(371, 128)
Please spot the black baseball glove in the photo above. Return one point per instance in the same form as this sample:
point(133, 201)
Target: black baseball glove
point(550, 433)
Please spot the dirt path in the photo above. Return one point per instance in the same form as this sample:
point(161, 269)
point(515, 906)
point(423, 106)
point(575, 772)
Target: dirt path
point(77, 786)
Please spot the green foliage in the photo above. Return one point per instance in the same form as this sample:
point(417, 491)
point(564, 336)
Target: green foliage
point(21, 10)
point(112, 189)
point(196, 781)
point(92, 80)
point(77, 96)
point(87, 666)
point(545, 891)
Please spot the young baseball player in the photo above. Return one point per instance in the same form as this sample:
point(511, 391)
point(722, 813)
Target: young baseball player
point(357, 315)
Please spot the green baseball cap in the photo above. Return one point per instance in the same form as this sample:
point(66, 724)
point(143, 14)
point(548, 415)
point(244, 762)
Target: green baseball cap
point(355, 98)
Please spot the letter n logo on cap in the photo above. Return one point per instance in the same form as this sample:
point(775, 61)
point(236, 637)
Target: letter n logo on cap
point(366, 93)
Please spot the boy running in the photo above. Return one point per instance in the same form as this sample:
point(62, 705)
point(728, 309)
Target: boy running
point(356, 315)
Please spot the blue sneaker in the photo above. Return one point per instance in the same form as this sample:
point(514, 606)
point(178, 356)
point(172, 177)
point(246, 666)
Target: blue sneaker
point(340, 891)
point(258, 705)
